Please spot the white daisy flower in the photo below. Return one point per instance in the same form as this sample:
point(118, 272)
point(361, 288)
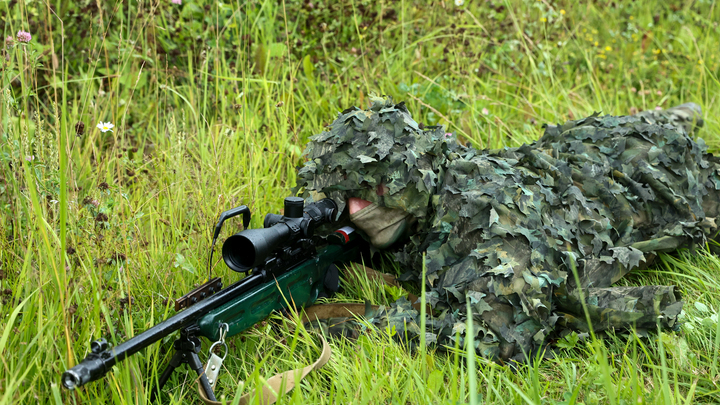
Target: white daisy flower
point(105, 126)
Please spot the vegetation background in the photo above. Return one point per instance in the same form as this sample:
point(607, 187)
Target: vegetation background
point(212, 103)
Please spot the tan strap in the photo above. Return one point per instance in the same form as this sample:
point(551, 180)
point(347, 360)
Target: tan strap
point(337, 310)
point(279, 384)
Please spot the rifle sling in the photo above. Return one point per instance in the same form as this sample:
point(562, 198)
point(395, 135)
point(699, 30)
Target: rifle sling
point(281, 384)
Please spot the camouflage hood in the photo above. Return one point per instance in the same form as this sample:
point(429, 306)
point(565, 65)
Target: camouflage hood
point(380, 155)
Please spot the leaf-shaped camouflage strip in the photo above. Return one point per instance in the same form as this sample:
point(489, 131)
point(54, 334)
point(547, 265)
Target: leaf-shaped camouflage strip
point(503, 228)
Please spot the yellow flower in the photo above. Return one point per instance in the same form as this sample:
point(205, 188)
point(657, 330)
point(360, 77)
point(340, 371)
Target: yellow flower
point(543, 19)
point(596, 43)
point(632, 18)
point(607, 48)
point(562, 12)
point(700, 62)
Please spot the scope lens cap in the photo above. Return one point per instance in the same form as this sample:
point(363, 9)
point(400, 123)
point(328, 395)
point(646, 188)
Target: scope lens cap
point(294, 207)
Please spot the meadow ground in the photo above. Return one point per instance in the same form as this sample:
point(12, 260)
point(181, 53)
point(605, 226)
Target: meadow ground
point(212, 103)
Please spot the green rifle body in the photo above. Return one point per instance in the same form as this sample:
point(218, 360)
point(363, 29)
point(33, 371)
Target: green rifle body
point(298, 287)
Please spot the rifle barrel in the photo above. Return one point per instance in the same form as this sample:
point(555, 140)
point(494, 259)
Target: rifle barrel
point(95, 365)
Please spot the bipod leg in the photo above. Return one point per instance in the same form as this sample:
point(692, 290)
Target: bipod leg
point(175, 361)
point(186, 351)
point(196, 365)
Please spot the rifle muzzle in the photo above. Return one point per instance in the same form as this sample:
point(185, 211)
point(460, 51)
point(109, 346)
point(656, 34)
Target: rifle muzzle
point(88, 370)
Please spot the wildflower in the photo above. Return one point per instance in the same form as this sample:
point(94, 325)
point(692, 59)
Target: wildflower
point(658, 108)
point(562, 12)
point(459, 2)
point(485, 111)
point(543, 19)
point(607, 48)
point(105, 126)
point(176, 1)
point(24, 36)
point(30, 158)
point(9, 40)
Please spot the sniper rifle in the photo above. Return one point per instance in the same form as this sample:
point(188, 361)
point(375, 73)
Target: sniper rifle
point(283, 262)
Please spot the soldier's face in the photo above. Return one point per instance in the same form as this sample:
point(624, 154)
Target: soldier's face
point(384, 226)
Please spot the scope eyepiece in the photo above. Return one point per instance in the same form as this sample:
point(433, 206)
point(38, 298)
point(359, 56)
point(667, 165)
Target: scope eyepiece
point(249, 248)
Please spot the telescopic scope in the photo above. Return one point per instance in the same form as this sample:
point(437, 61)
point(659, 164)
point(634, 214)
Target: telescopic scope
point(249, 248)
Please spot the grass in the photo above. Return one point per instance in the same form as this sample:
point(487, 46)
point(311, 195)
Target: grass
point(212, 103)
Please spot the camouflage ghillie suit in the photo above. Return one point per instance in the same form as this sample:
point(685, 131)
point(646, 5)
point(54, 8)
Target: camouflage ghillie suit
point(504, 228)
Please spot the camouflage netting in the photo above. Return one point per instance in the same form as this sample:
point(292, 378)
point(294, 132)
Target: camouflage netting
point(503, 228)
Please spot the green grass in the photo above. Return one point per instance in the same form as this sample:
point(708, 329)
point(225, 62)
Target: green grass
point(212, 103)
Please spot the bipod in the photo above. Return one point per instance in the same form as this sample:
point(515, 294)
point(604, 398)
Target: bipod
point(186, 352)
